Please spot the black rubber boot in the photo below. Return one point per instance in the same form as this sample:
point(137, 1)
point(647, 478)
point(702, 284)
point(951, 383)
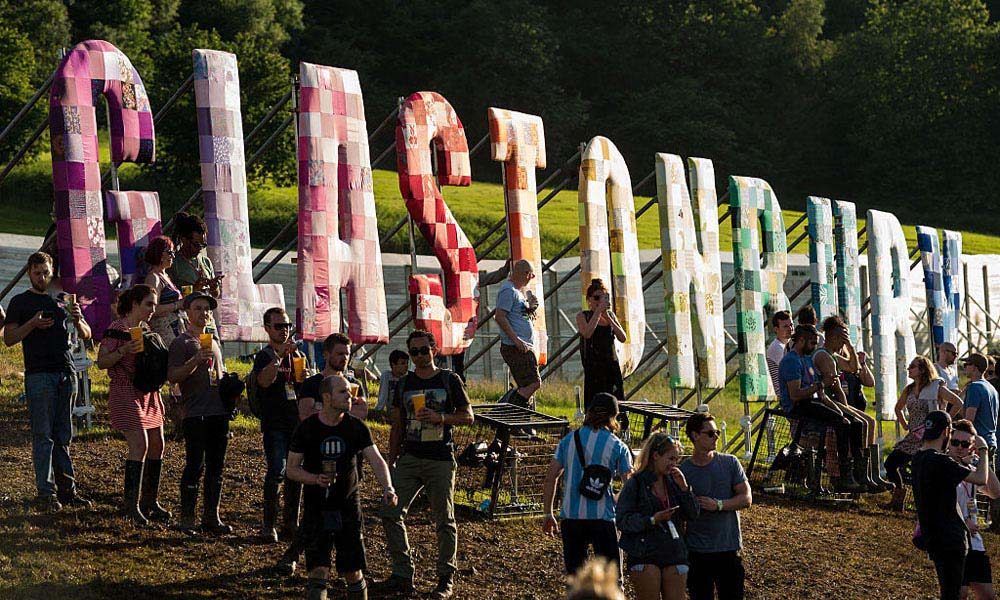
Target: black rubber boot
point(149, 503)
point(268, 535)
point(133, 481)
point(210, 521)
point(846, 484)
point(358, 590)
point(316, 588)
point(290, 510)
point(875, 473)
point(861, 469)
point(189, 500)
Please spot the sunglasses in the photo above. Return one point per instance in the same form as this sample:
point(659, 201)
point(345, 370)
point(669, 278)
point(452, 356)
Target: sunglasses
point(711, 432)
point(170, 253)
point(421, 351)
point(960, 444)
point(281, 326)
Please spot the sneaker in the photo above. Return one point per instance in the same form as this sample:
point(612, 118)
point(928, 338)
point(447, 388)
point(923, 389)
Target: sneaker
point(76, 501)
point(396, 584)
point(47, 504)
point(287, 563)
point(443, 589)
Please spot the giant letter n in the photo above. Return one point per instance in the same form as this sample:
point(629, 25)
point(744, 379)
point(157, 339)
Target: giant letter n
point(338, 231)
point(692, 271)
point(426, 118)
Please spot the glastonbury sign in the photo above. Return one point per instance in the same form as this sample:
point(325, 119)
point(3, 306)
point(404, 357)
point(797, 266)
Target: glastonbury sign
point(338, 242)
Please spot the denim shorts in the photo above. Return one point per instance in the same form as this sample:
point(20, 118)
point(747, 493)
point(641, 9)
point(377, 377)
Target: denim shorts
point(639, 567)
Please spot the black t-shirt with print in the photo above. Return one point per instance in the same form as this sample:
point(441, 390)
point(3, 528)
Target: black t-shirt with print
point(443, 393)
point(343, 443)
point(935, 479)
point(279, 402)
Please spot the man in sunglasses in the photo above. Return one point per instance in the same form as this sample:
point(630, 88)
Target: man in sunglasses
point(429, 401)
point(947, 355)
point(714, 539)
point(276, 388)
point(192, 267)
point(978, 572)
point(943, 533)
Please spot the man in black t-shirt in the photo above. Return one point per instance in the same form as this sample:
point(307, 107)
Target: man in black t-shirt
point(935, 478)
point(273, 368)
point(324, 456)
point(43, 327)
point(336, 352)
point(428, 403)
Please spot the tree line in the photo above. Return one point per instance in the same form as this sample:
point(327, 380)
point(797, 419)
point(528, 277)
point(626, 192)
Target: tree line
point(891, 104)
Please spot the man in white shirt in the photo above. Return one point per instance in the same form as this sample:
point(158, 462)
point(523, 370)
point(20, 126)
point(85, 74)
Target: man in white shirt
point(782, 323)
point(946, 356)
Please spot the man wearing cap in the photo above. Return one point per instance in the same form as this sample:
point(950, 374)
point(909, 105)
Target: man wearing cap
point(198, 369)
point(947, 354)
point(943, 532)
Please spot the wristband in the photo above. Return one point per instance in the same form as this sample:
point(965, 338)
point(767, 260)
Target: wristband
point(718, 505)
point(652, 521)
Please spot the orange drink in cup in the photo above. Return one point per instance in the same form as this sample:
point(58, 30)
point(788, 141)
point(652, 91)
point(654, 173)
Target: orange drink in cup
point(136, 333)
point(187, 290)
point(206, 341)
point(355, 389)
point(299, 368)
point(419, 402)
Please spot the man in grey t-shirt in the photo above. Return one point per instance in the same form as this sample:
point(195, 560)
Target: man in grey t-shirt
point(714, 539)
point(515, 309)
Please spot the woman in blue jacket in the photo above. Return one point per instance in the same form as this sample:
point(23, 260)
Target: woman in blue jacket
point(649, 514)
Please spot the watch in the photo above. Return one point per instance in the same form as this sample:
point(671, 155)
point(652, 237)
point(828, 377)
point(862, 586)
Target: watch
point(718, 505)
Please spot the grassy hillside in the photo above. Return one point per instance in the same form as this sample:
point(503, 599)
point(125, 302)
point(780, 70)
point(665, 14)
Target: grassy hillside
point(26, 197)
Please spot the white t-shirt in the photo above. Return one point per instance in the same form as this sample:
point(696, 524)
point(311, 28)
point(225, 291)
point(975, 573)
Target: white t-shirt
point(949, 375)
point(965, 491)
point(775, 352)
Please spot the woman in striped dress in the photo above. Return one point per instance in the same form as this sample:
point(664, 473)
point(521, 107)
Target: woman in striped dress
point(138, 415)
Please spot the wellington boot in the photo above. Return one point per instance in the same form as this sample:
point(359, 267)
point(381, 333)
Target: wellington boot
point(316, 589)
point(149, 502)
point(133, 481)
point(846, 483)
point(875, 473)
point(290, 510)
point(210, 521)
point(268, 534)
point(189, 500)
point(896, 504)
point(861, 474)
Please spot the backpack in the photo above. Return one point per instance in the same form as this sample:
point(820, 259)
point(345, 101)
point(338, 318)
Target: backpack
point(596, 478)
point(151, 364)
point(253, 389)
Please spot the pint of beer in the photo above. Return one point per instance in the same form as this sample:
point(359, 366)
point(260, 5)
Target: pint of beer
point(419, 402)
point(299, 368)
point(206, 341)
point(187, 290)
point(136, 333)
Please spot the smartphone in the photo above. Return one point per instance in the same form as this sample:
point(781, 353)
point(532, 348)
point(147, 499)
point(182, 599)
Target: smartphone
point(48, 314)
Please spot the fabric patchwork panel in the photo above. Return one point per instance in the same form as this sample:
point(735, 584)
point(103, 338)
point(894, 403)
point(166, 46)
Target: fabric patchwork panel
point(425, 118)
point(822, 266)
point(137, 218)
point(758, 233)
point(242, 302)
point(953, 278)
point(689, 236)
point(892, 334)
point(941, 302)
point(518, 141)
point(845, 235)
point(92, 69)
point(338, 232)
point(609, 248)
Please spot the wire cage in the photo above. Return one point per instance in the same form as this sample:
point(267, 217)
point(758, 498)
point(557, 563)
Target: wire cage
point(777, 466)
point(639, 419)
point(503, 459)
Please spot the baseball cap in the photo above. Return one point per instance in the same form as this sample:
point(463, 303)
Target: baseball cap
point(212, 302)
point(935, 424)
point(977, 360)
point(605, 402)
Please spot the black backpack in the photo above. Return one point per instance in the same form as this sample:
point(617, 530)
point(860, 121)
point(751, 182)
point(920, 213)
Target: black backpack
point(151, 364)
point(596, 478)
point(254, 401)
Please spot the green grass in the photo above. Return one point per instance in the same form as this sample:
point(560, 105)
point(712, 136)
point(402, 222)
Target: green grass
point(27, 198)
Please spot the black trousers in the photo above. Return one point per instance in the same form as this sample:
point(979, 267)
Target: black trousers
point(711, 571)
point(849, 429)
point(950, 567)
point(580, 534)
point(205, 442)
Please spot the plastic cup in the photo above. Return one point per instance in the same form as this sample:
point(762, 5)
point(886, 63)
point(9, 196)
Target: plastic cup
point(299, 368)
point(69, 299)
point(206, 341)
point(136, 333)
point(355, 389)
point(419, 402)
point(187, 290)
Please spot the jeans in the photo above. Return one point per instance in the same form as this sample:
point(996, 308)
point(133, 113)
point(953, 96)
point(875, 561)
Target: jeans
point(205, 442)
point(276, 444)
point(437, 477)
point(950, 567)
point(710, 571)
point(50, 404)
point(580, 534)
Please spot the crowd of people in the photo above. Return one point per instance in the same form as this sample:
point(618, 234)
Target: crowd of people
point(673, 527)
point(950, 439)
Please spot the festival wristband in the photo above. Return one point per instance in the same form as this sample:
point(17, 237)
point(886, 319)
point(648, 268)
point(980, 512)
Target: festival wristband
point(718, 505)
